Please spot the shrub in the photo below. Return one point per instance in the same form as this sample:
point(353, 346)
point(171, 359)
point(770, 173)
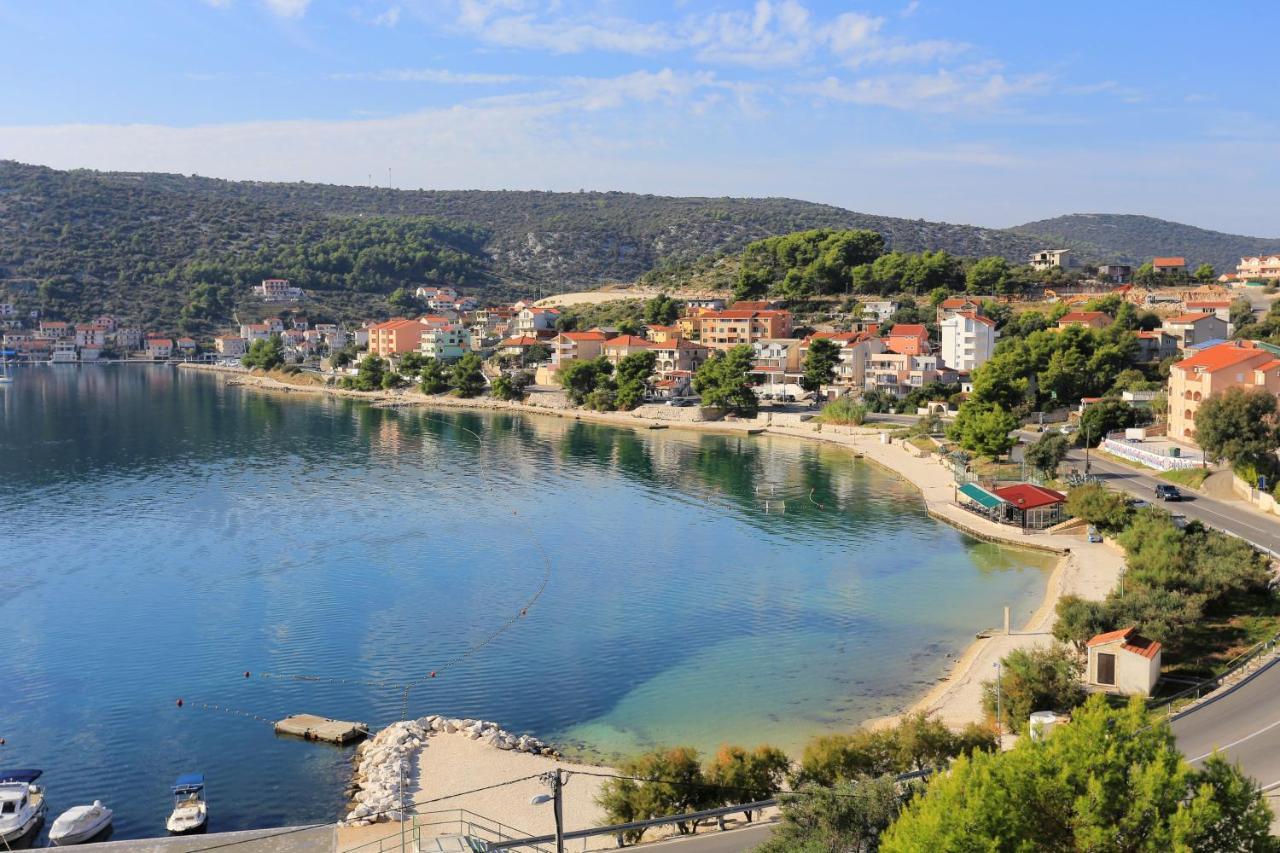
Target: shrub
point(844, 411)
point(1034, 680)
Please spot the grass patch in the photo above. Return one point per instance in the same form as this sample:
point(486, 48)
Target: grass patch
point(1111, 457)
point(1230, 629)
point(928, 445)
point(1191, 478)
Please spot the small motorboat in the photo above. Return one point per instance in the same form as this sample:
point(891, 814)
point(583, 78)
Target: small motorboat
point(190, 812)
point(22, 804)
point(78, 824)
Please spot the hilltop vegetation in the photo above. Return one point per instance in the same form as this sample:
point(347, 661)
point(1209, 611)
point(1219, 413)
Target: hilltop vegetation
point(1137, 239)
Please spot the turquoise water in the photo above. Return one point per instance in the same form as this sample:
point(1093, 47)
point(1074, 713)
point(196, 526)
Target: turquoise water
point(163, 533)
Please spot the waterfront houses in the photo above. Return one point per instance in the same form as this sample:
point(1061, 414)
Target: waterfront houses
point(229, 346)
point(733, 326)
point(574, 346)
point(395, 337)
point(1212, 370)
point(159, 349)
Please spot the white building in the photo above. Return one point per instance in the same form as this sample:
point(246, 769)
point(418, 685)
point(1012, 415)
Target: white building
point(968, 339)
point(277, 290)
point(882, 309)
point(532, 320)
point(1124, 662)
point(444, 343)
point(1051, 259)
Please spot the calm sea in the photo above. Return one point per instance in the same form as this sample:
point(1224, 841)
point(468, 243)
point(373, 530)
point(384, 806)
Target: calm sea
point(161, 534)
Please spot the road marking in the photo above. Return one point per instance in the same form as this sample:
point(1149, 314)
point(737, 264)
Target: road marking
point(1262, 730)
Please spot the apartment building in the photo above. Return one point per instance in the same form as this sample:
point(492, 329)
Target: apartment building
point(734, 326)
point(968, 339)
point(1237, 364)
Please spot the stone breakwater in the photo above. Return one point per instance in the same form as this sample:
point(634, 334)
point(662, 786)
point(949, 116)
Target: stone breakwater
point(390, 756)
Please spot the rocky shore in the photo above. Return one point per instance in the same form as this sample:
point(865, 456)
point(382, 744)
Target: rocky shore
point(387, 764)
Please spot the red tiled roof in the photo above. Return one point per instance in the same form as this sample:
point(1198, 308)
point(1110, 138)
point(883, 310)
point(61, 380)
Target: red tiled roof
point(1221, 356)
point(522, 341)
point(737, 314)
point(629, 341)
point(1209, 303)
point(908, 330)
point(1082, 316)
point(1168, 262)
point(1190, 318)
point(956, 302)
point(1027, 496)
point(583, 336)
point(1132, 642)
point(972, 315)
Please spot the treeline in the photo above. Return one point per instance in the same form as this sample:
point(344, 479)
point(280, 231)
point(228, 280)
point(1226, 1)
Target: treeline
point(826, 262)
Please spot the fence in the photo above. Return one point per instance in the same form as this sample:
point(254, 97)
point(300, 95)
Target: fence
point(1212, 683)
point(427, 825)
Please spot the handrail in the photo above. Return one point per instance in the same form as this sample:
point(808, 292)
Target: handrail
point(1215, 681)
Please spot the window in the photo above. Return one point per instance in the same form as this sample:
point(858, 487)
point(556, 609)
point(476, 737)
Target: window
point(1106, 673)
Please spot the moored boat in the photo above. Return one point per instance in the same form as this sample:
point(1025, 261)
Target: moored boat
point(22, 804)
point(190, 812)
point(78, 824)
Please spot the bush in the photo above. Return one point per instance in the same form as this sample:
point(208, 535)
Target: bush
point(672, 783)
point(917, 742)
point(1034, 680)
point(743, 776)
point(844, 411)
point(847, 817)
point(1098, 505)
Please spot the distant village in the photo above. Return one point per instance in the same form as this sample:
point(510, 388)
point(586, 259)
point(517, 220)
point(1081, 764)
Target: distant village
point(876, 354)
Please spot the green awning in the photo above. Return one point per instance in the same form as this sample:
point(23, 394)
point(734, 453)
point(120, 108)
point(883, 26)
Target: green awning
point(979, 495)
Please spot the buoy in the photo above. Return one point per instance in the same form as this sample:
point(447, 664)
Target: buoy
point(179, 703)
point(1, 741)
point(433, 673)
point(246, 673)
point(524, 611)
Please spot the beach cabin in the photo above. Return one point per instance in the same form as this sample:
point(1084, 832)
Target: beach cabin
point(1123, 662)
point(1021, 504)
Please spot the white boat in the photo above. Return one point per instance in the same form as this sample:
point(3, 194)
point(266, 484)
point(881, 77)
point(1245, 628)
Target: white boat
point(22, 804)
point(190, 812)
point(79, 823)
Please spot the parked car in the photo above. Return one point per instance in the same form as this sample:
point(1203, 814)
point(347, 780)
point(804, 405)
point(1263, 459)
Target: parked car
point(680, 402)
point(1093, 534)
point(787, 398)
point(1165, 492)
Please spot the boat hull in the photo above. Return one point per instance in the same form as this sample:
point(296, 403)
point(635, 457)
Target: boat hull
point(80, 830)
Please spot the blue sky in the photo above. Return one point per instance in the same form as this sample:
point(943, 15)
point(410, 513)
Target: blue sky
point(991, 113)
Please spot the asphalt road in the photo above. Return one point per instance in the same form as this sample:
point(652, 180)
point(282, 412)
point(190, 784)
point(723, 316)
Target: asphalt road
point(715, 841)
point(1243, 725)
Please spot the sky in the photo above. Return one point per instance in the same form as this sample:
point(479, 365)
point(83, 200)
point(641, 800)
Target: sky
point(991, 113)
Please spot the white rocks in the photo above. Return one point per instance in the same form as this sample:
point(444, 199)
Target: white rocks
point(378, 796)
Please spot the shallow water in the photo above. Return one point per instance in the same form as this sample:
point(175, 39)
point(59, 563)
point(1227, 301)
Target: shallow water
point(162, 534)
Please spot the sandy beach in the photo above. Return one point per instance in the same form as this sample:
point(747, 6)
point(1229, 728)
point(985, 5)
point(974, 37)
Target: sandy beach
point(451, 763)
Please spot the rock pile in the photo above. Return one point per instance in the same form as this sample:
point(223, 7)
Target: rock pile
point(377, 795)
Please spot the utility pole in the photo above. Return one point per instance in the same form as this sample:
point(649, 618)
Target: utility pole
point(558, 791)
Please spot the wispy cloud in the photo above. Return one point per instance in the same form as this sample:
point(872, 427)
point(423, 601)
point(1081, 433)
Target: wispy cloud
point(431, 75)
point(389, 18)
point(942, 91)
point(287, 8)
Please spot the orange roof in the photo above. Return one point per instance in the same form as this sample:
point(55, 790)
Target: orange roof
point(1133, 641)
point(522, 341)
point(629, 341)
point(973, 315)
point(1222, 356)
point(1191, 318)
point(1082, 316)
point(736, 314)
point(1209, 303)
point(956, 302)
point(583, 336)
point(1270, 365)
point(908, 330)
point(1168, 262)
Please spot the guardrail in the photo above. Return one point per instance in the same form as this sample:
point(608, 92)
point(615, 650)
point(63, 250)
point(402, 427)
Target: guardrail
point(425, 825)
point(1214, 682)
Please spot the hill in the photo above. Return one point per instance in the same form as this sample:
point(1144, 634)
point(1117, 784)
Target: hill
point(1137, 239)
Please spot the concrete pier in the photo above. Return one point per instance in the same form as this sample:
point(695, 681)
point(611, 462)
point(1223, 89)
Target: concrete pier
point(313, 727)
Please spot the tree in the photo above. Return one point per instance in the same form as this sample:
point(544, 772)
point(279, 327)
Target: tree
point(1239, 425)
point(917, 742)
point(265, 354)
point(983, 429)
point(1108, 415)
point(670, 782)
point(988, 275)
point(536, 354)
point(466, 377)
point(723, 381)
point(582, 376)
point(1112, 780)
point(820, 364)
point(745, 777)
point(661, 310)
point(1205, 273)
point(1079, 620)
point(369, 375)
point(851, 816)
point(1047, 453)
point(434, 380)
point(403, 301)
point(411, 363)
point(632, 377)
point(511, 386)
point(1099, 506)
point(1034, 680)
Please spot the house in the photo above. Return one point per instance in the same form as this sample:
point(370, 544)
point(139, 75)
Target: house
point(575, 346)
point(881, 309)
point(444, 293)
point(616, 349)
point(277, 290)
point(1031, 506)
point(901, 373)
point(1088, 319)
point(968, 340)
point(1048, 259)
point(678, 356)
point(55, 329)
point(1118, 273)
point(1259, 267)
point(1212, 370)
point(908, 339)
point(532, 320)
point(1156, 345)
point(856, 349)
point(91, 335)
point(662, 334)
point(64, 349)
point(255, 331)
point(783, 354)
point(733, 326)
point(952, 304)
point(1123, 662)
point(1165, 265)
point(395, 337)
point(443, 343)
point(517, 346)
point(186, 346)
point(1192, 329)
point(1220, 307)
point(678, 384)
point(230, 346)
point(128, 338)
point(159, 349)
point(709, 303)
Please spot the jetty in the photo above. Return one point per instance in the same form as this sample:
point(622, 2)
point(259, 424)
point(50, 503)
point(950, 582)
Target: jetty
point(313, 727)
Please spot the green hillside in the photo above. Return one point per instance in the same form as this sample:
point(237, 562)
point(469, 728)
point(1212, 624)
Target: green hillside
point(1137, 239)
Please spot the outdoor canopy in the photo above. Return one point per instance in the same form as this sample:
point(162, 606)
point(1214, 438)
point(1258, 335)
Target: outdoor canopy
point(979, 495)
point(188, 782)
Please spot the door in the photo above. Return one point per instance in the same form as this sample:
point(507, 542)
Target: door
point(1106, 668)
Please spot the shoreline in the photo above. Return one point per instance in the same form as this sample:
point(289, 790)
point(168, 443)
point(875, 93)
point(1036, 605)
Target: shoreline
point(1088, 570)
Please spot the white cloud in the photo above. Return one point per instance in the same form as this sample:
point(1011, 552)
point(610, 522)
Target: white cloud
point(287, 8)
point(942, 91)
point(431, 75)
point(389, 18)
